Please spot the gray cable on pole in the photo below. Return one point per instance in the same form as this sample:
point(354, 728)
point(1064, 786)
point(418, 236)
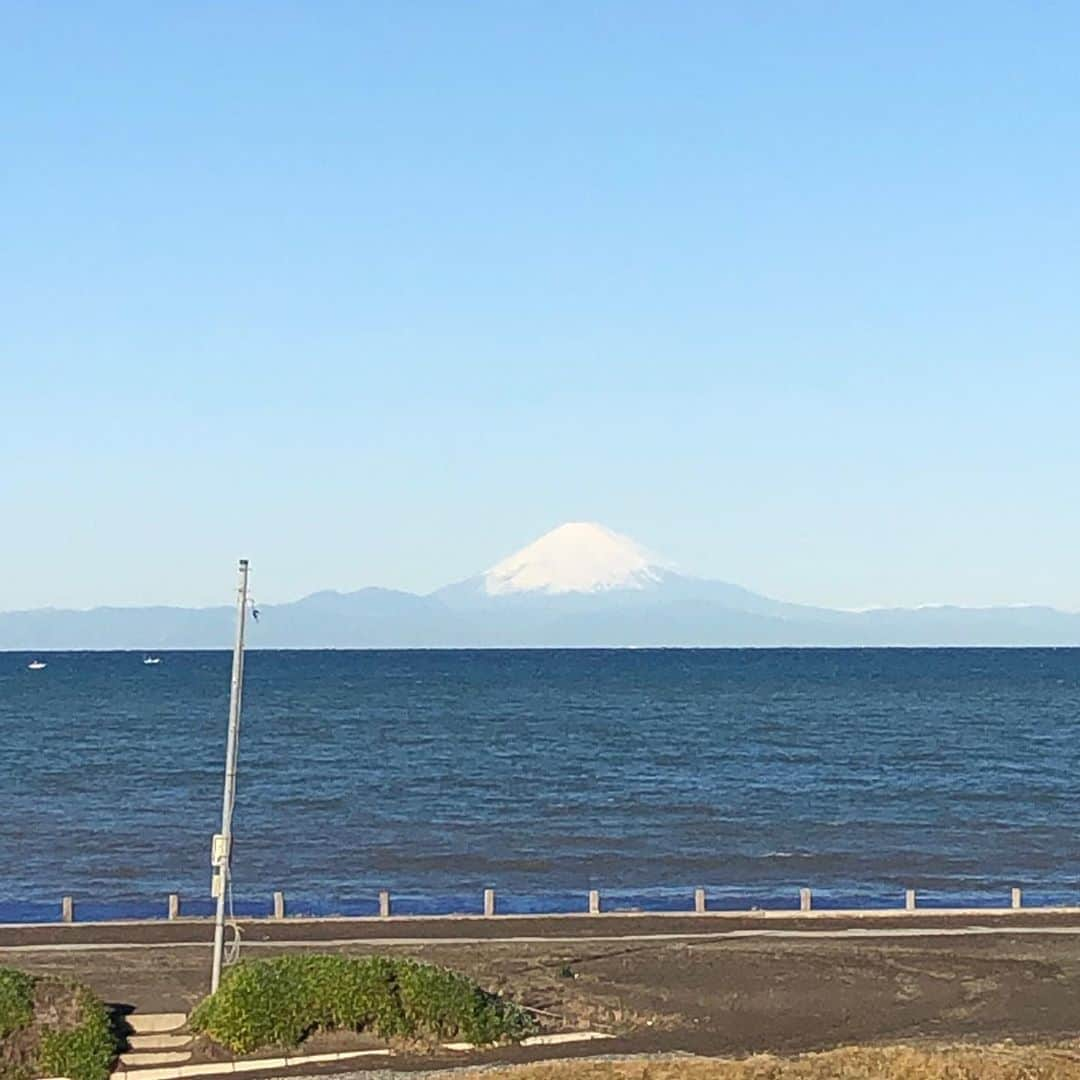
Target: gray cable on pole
point(221, 854)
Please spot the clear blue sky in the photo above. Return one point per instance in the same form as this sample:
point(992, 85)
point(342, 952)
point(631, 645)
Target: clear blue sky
point(377, 292)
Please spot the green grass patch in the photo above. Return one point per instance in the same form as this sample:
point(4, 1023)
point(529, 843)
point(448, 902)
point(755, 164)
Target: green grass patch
point(16, 1001)
point(280, 1001)
point(49, 1027)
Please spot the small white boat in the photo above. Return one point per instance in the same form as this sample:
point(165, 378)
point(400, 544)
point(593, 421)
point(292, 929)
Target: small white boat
point(36, 665)
point(151, 659)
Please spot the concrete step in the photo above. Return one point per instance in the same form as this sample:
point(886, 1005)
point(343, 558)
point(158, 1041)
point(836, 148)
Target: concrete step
point(556, 1039)
point(148, 1059)
point(158, 1042)
point(155, 1023)
point(560, 1037)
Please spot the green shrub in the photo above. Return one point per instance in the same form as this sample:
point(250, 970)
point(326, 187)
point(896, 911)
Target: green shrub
point(16, 1001)
point(445, 1004)
point(280, 1001)
point(83, 1052)
point(49, 1027)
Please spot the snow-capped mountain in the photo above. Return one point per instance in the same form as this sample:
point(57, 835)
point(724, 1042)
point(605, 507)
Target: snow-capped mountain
point(578, 557)
point(579, 585)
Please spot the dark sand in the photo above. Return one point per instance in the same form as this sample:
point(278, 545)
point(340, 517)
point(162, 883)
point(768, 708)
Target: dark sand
point(719, 996)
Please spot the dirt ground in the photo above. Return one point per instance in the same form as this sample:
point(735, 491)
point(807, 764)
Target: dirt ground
point(998, 1062)
point(735, 996)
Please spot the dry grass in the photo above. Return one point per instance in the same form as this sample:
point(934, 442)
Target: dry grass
point(1004, 1062)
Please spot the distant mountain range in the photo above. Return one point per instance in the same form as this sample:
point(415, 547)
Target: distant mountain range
point(580, 585)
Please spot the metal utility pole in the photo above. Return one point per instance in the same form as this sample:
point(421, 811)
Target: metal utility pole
point(221, 854)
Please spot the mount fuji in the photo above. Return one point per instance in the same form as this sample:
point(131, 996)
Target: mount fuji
point(576, 557)
point(580, 585)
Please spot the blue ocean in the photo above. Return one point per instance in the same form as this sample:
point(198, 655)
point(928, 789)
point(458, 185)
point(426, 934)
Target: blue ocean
point(642, 773)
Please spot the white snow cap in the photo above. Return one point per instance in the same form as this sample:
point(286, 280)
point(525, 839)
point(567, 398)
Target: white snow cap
point(579, 556)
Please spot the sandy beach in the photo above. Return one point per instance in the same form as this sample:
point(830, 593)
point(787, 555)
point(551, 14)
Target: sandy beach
point(658, 985)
